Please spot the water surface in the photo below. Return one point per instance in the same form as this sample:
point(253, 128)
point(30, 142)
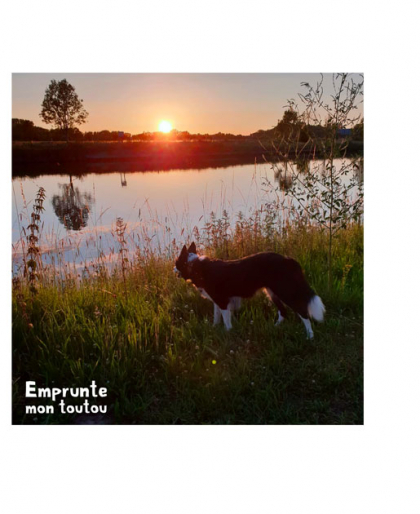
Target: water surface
point(159, 208)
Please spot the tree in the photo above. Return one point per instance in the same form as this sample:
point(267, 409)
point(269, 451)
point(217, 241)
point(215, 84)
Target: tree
point(25, 130)
point(22, 129)
point(62, 107)
point(291, 127)
point(330, 191)
point(290, 117)
point(72, 207)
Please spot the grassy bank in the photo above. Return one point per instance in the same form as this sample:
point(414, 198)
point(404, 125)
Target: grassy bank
point(32, 159)
point(148, 337)
point(149, 155)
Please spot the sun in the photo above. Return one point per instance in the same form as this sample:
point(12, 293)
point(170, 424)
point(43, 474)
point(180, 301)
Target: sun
point(165, 126)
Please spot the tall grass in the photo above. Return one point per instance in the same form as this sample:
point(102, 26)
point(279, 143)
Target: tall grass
point(148, 337)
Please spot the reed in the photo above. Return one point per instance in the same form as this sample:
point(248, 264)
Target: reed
point(32, 265)
point(120, 232)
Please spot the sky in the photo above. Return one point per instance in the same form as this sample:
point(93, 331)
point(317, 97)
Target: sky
point(238, 103)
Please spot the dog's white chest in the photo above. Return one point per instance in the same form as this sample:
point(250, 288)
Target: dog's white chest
point(204, 293)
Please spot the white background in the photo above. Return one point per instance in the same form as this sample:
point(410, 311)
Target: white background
point(290, 469)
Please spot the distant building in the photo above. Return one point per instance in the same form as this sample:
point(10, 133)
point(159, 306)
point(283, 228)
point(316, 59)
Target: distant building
point(344, 132)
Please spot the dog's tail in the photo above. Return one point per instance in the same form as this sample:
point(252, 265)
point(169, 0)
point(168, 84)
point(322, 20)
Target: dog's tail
point(295, 275)
point(316, 308)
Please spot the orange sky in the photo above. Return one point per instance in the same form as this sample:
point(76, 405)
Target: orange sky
point(199, 103)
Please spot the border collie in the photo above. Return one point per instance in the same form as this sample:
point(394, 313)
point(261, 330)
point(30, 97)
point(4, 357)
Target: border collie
point(225, 283)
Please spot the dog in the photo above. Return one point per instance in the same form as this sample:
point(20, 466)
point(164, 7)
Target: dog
point(225, 283)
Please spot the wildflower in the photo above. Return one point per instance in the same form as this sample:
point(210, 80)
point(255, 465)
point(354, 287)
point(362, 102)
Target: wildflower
point(213, 361)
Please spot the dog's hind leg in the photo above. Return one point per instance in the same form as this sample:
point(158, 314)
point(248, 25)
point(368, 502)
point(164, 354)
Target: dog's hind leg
point(279, 304)
point(308, 327)
point(300, 307)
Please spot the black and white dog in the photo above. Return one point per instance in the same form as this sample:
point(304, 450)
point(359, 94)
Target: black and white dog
point(225, 283)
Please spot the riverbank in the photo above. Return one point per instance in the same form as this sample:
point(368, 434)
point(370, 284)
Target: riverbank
point(148, 338)
point(29, 158)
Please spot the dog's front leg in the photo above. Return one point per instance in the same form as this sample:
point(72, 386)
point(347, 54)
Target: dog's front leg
point(227, 315)
point(216, 314)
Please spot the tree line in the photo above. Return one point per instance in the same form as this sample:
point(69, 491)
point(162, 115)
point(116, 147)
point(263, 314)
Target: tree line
point(25, 130)
point(292, 127)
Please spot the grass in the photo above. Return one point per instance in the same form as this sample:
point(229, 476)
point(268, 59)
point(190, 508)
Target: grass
point(148, 337)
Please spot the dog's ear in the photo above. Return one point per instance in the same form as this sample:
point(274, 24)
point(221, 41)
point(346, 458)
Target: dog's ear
point(184, 253)
point(192, 248)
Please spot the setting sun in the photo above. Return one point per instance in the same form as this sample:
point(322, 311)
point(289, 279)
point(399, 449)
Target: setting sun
point(165, 126)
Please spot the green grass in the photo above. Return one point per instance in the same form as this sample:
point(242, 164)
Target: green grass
point(150, 341)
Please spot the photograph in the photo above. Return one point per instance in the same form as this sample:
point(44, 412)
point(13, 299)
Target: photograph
point(187, 248)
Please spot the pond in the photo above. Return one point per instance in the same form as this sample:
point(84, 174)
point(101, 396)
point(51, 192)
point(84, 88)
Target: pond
point(81, 210)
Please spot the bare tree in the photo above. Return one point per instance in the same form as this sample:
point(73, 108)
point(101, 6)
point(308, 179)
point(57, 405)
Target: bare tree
point(329, 191)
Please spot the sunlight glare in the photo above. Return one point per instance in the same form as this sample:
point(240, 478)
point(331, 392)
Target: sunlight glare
point(165, 126)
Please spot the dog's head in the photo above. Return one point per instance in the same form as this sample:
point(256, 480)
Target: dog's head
point(183, 265)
